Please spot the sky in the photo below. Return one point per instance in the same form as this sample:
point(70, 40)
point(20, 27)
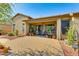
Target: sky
point(37, 10)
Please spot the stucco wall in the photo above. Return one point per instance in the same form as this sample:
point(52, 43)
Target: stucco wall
point(18, 21)
point(77, 23)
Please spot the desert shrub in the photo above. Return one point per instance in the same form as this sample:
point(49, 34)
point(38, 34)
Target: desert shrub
point(11, 34)
point(17, 32)
point(70, 35)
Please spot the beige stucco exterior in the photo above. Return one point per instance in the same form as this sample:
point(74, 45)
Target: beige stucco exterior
point(21, 26)
point(76, 21)
point(20, 19)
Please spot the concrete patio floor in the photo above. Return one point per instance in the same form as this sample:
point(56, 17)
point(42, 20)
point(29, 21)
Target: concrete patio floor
point(34, 43)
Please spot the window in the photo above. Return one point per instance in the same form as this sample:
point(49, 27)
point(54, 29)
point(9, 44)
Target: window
point(65, 26)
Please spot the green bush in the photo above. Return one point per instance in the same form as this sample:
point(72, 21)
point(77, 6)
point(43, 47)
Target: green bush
point(11, 34)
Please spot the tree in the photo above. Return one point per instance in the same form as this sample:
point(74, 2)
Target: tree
point(6, 12)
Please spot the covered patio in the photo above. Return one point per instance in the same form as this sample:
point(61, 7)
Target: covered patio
point(43, 27)
point(53, 27)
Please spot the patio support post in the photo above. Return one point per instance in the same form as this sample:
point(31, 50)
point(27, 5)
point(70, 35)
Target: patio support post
point(59, 29)
point(27, 28)
point(72, 19)
point(43, 28)
point(37, 29)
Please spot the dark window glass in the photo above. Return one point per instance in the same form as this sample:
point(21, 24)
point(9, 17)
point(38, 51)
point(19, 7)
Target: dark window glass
point(64, 26)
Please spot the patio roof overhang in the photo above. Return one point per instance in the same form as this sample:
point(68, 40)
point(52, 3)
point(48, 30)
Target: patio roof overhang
point(41, 21)
point(50, 19)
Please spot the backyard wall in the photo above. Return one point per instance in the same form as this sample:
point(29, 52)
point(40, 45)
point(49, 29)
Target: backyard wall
point(5, 28)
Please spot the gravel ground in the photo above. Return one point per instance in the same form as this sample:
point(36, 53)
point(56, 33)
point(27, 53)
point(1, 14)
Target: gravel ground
point(33, 43)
